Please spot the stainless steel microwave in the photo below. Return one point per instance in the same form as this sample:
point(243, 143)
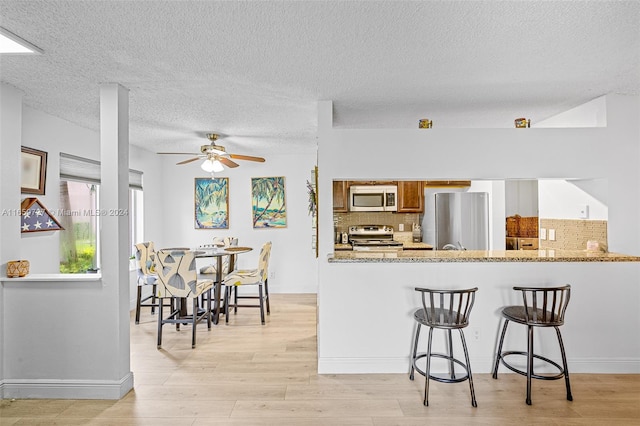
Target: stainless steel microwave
point(373, 198)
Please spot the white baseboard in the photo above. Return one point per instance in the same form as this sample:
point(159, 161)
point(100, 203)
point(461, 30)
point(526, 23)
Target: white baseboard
point(66, 389)
point(478, 365)
point(604, 365)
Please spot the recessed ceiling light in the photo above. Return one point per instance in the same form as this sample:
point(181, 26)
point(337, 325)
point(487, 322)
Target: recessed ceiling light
point(12, 44)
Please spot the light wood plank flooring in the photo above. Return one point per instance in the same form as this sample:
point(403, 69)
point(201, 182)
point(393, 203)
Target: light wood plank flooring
point(248, 374)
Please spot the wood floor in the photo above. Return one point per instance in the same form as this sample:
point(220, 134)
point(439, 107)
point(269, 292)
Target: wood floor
point(248, 374)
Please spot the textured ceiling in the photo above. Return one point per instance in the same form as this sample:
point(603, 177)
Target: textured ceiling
point(254, 71)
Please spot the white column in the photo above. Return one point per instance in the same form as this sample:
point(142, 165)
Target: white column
point(114, 204)
point(325, 186)
point(10, 141)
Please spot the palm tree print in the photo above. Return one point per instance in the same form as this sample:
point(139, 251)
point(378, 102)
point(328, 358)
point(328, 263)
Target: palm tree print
point(268, 202)
point(212, 203)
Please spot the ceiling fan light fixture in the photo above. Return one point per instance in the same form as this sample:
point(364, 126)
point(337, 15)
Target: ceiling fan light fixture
point(211, 166)
point(207, 166)
point(217, 166)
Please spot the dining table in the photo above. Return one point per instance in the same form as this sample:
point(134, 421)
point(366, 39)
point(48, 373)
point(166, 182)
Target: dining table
point(218, 253)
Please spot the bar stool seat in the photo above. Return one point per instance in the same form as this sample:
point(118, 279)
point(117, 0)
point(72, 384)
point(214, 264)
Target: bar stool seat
point(542, 307)
point(446, 310)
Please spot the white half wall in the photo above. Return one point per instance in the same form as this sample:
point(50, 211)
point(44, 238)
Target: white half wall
point(366, 313)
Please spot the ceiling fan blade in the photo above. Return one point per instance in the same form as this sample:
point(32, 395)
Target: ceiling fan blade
point(228, 162)
point(246, 157)
point(188, 161)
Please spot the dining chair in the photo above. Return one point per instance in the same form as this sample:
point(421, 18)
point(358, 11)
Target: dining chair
point(178, 281)
point(145, 257)
point(249, 277)
point(228, 263)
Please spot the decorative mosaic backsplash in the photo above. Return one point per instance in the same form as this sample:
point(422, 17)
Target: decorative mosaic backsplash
point(344, 220)
point(573, 234)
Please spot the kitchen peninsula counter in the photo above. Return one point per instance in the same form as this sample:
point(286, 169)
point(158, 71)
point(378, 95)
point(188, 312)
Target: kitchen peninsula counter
point(365, 308)
point(453, 256)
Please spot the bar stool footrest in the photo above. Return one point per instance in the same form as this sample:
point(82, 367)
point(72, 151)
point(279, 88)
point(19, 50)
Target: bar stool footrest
point(560, 375)
point(443, 379)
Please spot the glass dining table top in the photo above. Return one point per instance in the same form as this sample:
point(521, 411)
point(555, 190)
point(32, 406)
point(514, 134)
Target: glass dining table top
point(219, 251)
point(212, 251)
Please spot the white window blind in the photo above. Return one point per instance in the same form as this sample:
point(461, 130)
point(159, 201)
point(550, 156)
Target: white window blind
point(135, 179)
point(82, 169)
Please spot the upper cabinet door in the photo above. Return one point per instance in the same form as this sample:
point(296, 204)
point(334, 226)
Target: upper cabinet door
point(340, 196)
point(410, 196)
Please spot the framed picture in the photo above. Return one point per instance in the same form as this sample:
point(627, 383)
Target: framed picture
point(268, 202)
point(33, 174)
point(211, 203)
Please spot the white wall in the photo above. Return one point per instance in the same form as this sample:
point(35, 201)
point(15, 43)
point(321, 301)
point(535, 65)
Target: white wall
point(293, 262)
point(346, 342)
point(42, 248)
point(153, 223)
point(561, 199)
point(521, 197)
point(52, 135)
point(590, 114)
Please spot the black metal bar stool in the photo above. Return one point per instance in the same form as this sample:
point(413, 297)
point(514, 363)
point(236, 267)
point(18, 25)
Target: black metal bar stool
point(446, 310)
point(542, 307)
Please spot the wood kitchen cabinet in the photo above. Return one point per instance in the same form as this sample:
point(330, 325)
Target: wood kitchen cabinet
point(372, 182)
point(410, 196)
point(447, 183)
point(340, 196)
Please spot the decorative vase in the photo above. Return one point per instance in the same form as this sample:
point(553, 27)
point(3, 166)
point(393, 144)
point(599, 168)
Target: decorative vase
point(425, 123)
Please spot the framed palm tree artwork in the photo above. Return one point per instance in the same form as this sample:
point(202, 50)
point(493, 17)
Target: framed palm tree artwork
point(211, 203)
point(268, 202)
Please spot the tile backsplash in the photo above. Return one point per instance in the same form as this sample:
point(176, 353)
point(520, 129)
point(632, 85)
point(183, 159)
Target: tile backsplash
point(572, 234)
point(344, 220)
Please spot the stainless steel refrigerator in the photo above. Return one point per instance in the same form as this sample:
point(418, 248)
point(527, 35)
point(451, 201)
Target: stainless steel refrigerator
point(462, 220)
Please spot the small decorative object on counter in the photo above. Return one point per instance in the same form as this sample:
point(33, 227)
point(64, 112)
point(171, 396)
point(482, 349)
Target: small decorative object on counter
point(17, 268)
point(596, 246)
point(522, 123)
point(425, 123)
point(416, 233)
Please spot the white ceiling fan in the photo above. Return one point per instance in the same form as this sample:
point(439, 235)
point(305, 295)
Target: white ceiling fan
point(216, 156)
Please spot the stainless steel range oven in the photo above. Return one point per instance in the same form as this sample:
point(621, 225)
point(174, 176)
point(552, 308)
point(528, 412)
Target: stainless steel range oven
point(373, 238)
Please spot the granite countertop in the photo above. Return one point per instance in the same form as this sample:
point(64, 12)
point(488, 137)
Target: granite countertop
point(448, 256)
point(410, 245)
point(342, 247)
point(405, 246)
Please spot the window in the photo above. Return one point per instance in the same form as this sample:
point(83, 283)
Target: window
point(79, 202)
point(136, 210)
point(136, 217)
point(79, 239)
